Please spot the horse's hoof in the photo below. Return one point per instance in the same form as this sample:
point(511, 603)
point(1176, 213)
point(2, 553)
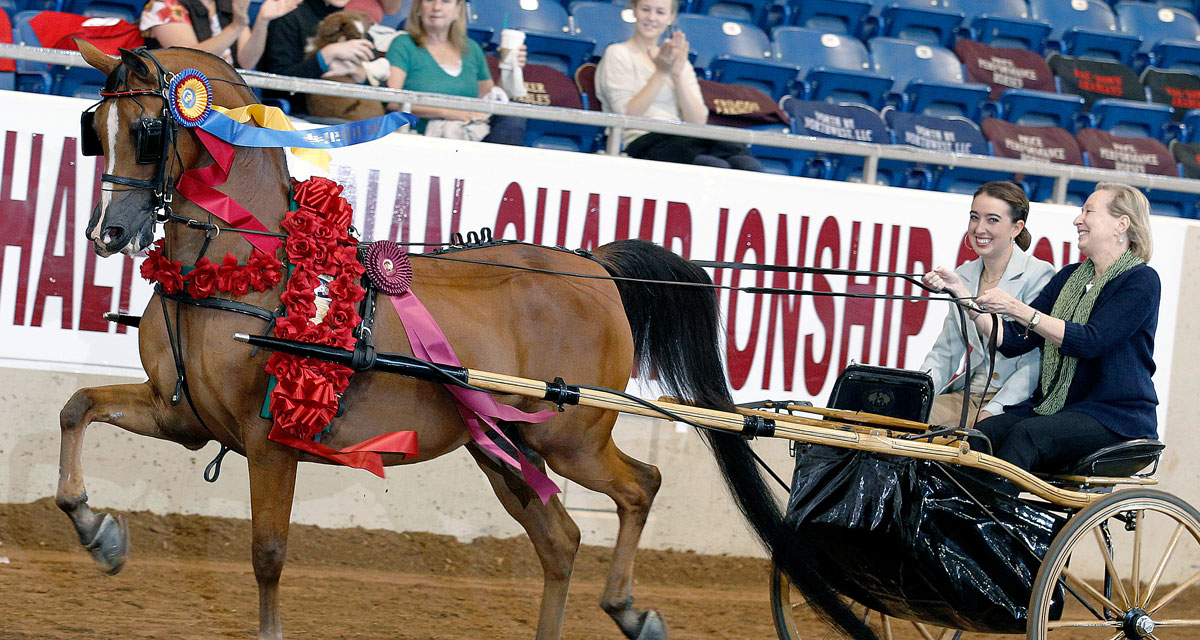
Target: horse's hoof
point(110, 545)
point(652, 627)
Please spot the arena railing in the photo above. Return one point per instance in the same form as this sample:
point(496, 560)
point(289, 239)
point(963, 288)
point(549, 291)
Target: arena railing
point(616, 124)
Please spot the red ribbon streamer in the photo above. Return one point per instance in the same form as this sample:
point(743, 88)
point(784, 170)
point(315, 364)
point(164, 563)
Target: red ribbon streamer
point(197, 185)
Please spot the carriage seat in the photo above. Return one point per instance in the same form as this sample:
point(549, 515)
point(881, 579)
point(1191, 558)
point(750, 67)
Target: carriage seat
point(1121, 460)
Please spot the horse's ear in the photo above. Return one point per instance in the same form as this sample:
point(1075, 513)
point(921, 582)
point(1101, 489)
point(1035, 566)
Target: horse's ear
point(135, 64)
point(95, 57)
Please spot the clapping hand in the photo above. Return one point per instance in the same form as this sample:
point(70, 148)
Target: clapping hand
point(241, 12)
point(272, 9)
point(680, 44)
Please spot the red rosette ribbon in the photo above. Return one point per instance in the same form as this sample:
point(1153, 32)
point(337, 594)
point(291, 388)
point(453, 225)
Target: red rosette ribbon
point(304, 403)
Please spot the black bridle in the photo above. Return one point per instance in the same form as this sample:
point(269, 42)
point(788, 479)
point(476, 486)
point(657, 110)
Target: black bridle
point(154, 139)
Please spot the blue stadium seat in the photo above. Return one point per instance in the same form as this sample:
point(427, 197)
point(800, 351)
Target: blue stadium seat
point(1040, 108)
point(548, 36)
point(80, 82)
point(1002, 23)
point(12, 7)
point(1085, 28)
point(853, 123)
point(736, 53)
point(929, 79)
point(751, 11)
point(790, 162)
point(34, 77)
point(1155, 22)
point(128, 10)
point(603, 22)
point(1182, 55)
point(834, 16)
point(946, 135)
point(1130, 119)
point(835, 67)
point(926, 21)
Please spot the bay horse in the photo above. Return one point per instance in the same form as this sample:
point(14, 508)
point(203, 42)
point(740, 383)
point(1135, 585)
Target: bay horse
point(526, 323)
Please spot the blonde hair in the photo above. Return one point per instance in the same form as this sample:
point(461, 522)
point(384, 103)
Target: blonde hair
point(632, 4)
point(458, 28)
point(1132, 203)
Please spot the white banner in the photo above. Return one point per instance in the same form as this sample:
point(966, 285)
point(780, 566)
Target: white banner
point(412, 189)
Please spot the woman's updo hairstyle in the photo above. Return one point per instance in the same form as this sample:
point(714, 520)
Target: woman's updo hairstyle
point(1018, 206)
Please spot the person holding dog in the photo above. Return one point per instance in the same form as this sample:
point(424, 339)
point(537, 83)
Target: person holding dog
point(436, 56)
point(285, 54)
point(220, 27)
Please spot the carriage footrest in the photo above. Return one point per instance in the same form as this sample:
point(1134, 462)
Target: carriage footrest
point(123, 318)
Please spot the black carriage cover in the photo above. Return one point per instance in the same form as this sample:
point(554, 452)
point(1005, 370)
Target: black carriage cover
point(899, 536)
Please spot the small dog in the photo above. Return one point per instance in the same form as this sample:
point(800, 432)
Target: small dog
point(338, 27)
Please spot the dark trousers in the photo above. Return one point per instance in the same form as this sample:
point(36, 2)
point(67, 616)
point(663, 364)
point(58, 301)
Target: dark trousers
point(683, 150)
point(506, 130)
point(1044, 443)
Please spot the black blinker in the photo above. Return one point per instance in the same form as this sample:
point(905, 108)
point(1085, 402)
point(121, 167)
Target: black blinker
point(148, 140)
point(89, 140)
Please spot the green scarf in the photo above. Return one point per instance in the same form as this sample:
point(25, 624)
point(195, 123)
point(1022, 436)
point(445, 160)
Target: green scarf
point(1074, 304)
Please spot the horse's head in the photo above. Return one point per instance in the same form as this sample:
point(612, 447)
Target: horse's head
point(145, 149)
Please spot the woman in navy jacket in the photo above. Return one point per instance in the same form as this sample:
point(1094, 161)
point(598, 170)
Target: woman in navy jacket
point(1095, 322)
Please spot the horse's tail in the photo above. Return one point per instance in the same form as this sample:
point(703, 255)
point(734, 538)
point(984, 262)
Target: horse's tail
point(676, 334)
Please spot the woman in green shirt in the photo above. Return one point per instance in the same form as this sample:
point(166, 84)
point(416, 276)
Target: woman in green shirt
point(436, 56)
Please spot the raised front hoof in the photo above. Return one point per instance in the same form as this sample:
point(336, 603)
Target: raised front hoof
point(651, 627)
point(110, 546)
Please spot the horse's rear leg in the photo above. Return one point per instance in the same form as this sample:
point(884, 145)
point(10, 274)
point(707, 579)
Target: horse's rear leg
point(632, 485)
point(133, 407)
point(272, 486)
point(554, 535)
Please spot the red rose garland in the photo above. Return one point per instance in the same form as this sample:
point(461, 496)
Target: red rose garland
point(304, 400)
point(260, 273)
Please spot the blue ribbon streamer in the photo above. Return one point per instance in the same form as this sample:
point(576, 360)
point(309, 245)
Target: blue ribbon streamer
point(341, 135)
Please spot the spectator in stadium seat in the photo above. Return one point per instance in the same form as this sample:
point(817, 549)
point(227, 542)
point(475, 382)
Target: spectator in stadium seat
point(1095, 322)
point(436, 56)
point(640, 77)
point(997, 234)
point(220, 27)
point(285, 52)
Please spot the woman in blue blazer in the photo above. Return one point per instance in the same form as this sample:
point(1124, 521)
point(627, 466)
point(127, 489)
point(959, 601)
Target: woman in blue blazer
point(1095, 324)
point(997, 233)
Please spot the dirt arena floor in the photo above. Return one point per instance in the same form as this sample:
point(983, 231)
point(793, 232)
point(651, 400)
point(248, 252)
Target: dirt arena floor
point(190, 577)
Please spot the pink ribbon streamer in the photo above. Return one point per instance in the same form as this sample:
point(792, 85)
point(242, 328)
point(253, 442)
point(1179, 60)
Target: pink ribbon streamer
point(429, 343)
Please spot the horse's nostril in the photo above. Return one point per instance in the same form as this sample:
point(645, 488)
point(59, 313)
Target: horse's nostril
point(111, 233)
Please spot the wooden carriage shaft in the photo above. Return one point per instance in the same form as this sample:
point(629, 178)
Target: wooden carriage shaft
point(797, 428)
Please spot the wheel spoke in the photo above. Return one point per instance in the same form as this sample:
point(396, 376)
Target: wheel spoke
point(1083, 624)
point(923, 631)
point(887, 628)
point(1112, 570)
point(1118, 635)
point(1137, 557)
point(1162, 565)
point(1174, 592)
point(1176, 623)
point(1080, 584)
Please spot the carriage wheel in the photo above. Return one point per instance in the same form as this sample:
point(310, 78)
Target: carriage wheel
point(791, 613)
point(1112, 559)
